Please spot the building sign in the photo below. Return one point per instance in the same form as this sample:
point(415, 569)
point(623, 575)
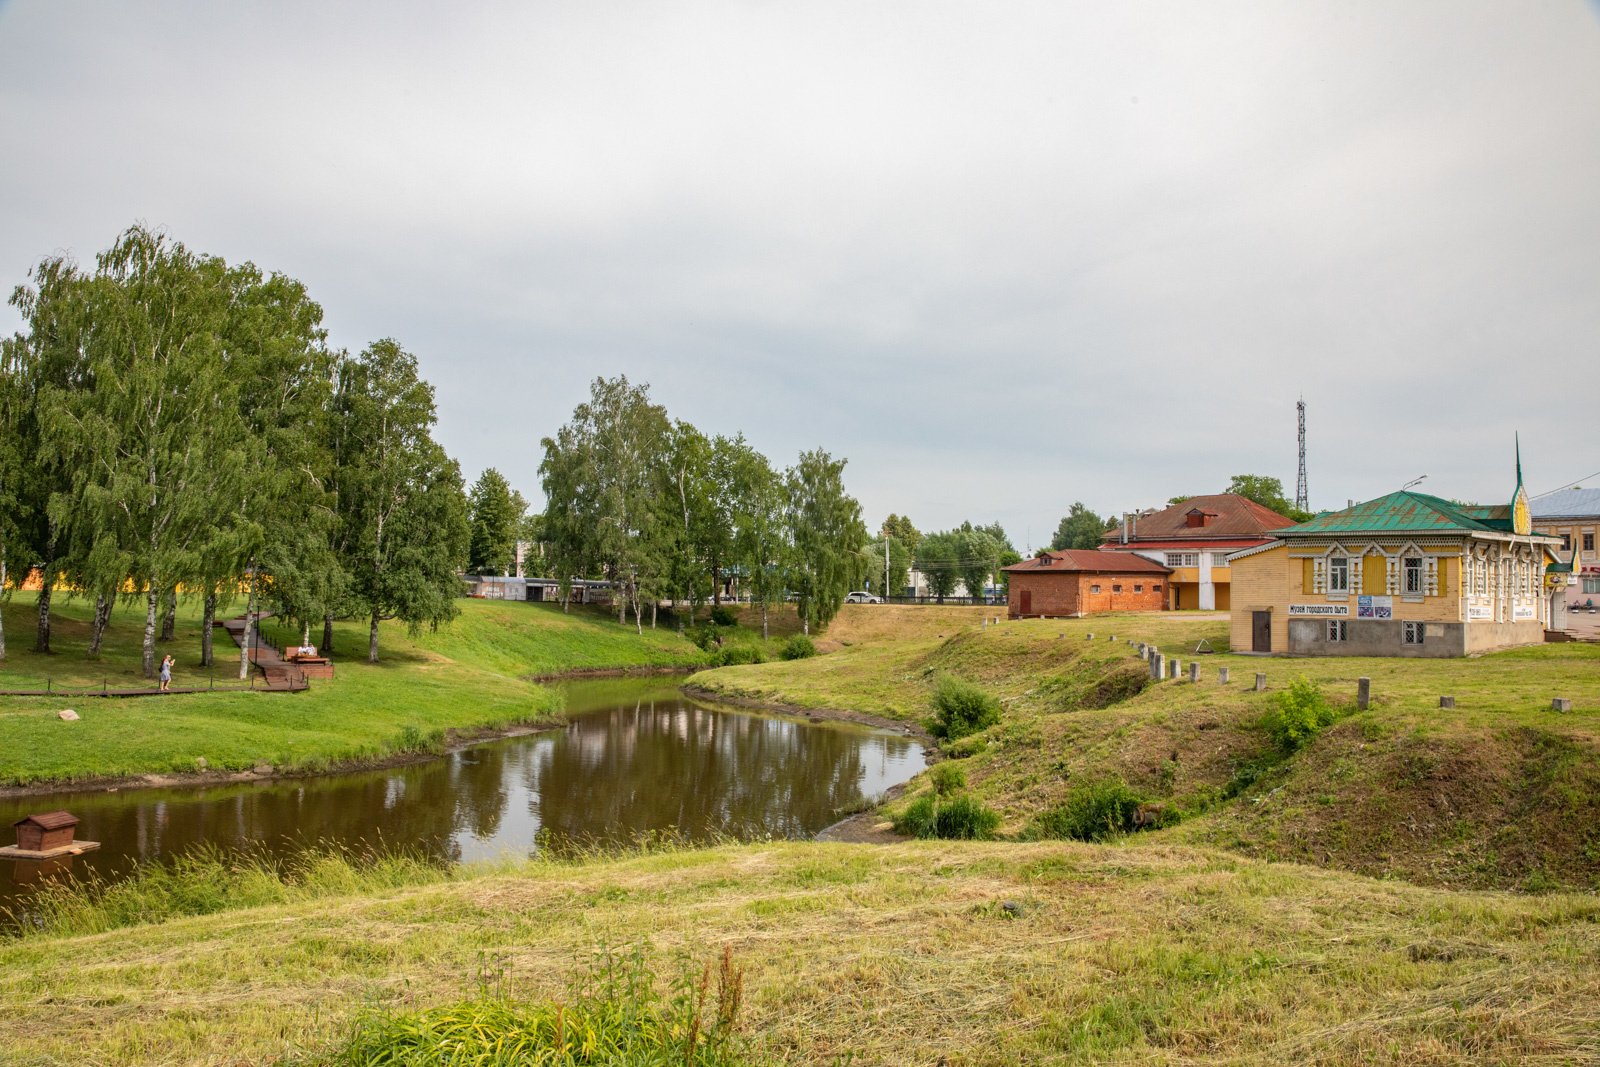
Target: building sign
point(1319, 609)
point(1375, 607)
point(1477, 612)
point(1522, 612)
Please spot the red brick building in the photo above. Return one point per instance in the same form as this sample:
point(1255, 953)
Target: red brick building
point(1083, 582)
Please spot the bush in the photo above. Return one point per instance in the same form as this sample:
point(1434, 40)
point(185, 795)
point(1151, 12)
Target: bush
point(704, 637)
point(734, 655)
point(721, 616)
point(1092, 811)
point(1298, 714)
point(947, 778)
point(961, 708)
point(959, 818)
point(798, 647)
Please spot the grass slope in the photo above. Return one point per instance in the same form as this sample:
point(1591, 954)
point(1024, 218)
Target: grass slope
point(1499, 791)
point(928, 952)
point(473, 674)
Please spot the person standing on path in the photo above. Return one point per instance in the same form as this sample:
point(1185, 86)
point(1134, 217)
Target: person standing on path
point(166, 673)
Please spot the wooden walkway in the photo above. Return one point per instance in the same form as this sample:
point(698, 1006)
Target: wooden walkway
point(276, 674)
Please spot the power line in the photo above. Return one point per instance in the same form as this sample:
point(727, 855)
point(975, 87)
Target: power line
point(1569, 485)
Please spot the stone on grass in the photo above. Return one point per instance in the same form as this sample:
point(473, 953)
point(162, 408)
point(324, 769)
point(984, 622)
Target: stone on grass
point(68, 715)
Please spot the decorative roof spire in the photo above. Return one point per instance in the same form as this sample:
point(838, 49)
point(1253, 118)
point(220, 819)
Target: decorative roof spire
point(1521, 515)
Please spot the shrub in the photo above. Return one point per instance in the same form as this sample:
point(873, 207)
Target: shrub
point(721, 616)
point(960, 818)
point(704, 637)
point(1298, 713)
point(1092, 811)
point(798, 647)
point(961, 708)
point(947, 778)
point(733, 655)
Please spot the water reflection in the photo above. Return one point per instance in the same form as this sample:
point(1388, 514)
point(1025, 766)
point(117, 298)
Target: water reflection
point(638, 757)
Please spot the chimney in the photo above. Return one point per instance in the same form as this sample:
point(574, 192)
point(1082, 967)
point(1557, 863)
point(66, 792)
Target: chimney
point(1124, 527)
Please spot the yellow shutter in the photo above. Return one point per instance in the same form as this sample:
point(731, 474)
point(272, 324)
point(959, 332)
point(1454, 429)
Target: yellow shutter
point(1305, 576)
point(1374, 575)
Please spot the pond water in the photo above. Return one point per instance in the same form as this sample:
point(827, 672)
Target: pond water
point(637, 757)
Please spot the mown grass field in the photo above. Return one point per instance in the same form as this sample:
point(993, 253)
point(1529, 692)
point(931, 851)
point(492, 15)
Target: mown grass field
point(920, 953)
point(472, 674)
point(1499, 791)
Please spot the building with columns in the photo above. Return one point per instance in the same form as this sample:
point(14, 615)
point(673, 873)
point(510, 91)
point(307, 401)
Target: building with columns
point(1193, 540)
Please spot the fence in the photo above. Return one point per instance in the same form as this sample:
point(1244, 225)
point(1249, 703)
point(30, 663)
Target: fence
point(958, 600)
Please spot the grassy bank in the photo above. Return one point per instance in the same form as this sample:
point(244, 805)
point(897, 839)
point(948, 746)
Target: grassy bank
point(471, 675)
point(916, 953)
point(1499, 791)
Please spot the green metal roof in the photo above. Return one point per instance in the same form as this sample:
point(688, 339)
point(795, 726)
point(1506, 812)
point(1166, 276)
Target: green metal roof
point(1406, 512)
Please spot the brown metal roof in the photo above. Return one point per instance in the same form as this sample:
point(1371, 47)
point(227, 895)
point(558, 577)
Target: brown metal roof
point(1089, 561)
point(49, 820)
point(1228, 517)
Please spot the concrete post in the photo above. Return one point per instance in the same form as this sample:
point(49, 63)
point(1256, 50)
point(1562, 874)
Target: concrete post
point(1363, 693)
point(1088, 637)
point(1261, 683)
point(1156, 666)
point(1561, 704)
point(1194, 672)
point(1177, 666)
point(1112, 638)
point(1447, 702)
point(1222, 675)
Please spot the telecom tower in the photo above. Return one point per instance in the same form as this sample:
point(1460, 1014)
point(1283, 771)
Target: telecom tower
point(1302, 500)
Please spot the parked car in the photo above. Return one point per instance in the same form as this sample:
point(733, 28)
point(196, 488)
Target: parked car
point(861, 596)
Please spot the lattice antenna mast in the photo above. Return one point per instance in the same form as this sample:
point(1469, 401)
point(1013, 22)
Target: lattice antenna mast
point(1302, 499)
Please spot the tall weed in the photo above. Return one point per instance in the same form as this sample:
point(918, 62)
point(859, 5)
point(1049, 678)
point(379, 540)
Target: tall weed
point(1298, 714)
point(961, 708)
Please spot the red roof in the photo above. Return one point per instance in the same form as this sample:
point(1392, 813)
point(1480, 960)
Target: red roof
point(49, 820)
point(1230, 544)
point(1226, 516)
point(1089, 561)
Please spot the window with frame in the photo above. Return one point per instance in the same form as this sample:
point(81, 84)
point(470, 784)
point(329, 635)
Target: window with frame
point(1411, 576)
point(1115, 588)
point(1591, 585)
point(1183, 559)
point(1588, 542)
point(1219, 559)
point(1338, 630)
point(1339, 574)
point(1094, 589)
point(1138, 588)
point(1411, 633)
point(1566, 542)
point(1156, 588)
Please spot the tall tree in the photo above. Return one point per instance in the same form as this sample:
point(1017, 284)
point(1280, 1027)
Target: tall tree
point(980, 558)
point(1079, 528)
point(939, 558)
point(760, 534)
point(157, 446)
point(401, 503)
point(900, 528)
point(602, 482)
point(497, 512)
point(826, 530)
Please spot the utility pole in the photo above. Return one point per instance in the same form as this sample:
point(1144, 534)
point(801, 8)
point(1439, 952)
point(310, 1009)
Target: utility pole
point(1302, 499)
point(886, 563)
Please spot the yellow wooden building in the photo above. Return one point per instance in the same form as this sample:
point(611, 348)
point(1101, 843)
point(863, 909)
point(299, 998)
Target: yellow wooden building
point(1407, 574)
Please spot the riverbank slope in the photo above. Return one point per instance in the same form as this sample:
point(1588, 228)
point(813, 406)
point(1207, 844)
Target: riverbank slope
point(924, 952)
point(1499, 791)
point(468, 678)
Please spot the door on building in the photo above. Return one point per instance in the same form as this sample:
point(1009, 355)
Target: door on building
point(1261, 631)
point(1026, 605)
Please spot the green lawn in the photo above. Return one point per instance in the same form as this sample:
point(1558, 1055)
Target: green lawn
point(921, 953)
point(472, 674)
point(1499, 791)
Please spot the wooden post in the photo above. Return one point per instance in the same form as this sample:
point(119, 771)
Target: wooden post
point(1194, 672)
point(1222, 675)
point(1363, 693)
point(1447, 702)
point(1561, 704)
point(1261, 683)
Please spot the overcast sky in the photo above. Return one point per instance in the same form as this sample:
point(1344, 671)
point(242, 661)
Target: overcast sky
point(1001, 256)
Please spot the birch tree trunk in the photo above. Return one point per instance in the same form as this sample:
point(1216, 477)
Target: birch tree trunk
point(207, 621)
point(152, 602)
point(102, 619)
point(2, 616)
point(327, 635)
point(41, 640)
point(169, 616)
point(372, 640)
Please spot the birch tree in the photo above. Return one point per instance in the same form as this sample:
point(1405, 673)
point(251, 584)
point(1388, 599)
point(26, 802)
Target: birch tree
point(826, 531)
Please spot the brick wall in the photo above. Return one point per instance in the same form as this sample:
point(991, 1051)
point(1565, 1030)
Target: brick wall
point(1063, 593)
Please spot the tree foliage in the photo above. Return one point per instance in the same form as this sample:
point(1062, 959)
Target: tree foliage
point(496, 513)
point(1268, 492)
point(1079, 528)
